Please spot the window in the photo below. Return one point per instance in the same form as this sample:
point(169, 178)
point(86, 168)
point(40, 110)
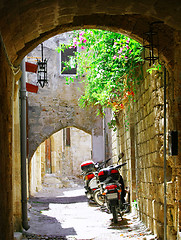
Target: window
point(68, 55)
point(68, 137)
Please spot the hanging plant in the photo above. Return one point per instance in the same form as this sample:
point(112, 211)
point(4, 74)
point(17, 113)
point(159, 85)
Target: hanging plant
point(111, 65)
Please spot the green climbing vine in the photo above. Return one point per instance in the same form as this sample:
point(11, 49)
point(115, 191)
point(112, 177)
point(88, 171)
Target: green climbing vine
point(110, 63)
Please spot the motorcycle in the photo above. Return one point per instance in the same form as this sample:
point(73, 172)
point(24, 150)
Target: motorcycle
point(112, 188)
point(91, 183)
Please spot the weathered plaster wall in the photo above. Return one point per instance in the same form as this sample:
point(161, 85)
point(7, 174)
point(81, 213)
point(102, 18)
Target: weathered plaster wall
point(81, 148)
point(65, 159)
point(56, 152)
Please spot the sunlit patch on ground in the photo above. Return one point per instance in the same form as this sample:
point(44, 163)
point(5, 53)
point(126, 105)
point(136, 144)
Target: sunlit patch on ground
point(67, 214)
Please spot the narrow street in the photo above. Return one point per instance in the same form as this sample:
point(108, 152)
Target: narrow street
point(64, 213)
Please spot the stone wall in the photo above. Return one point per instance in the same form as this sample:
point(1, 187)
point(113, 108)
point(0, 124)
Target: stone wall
point(24, 26)
point(131, 18)
point(64, 160)
point(81, 148)
point(16, 164)
point(143, 148)
point(56, 106)
point(35, 170)
point(6, 125)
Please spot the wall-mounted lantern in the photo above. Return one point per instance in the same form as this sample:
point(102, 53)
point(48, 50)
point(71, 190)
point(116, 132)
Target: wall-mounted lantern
point(42, 70)
point(151, 44)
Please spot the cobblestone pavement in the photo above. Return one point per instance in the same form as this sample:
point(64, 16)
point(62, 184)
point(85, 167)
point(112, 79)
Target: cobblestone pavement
point(58, 214)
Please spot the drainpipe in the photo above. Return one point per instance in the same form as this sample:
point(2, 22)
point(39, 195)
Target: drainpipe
point(104, 136)
point(117, 142)
point(165, 162)
point(23, 148)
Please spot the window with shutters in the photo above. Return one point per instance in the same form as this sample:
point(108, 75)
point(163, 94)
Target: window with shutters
point(68, 55)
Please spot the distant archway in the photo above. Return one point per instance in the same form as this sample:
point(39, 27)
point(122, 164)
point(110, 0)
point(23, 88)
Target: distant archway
point(61, 155)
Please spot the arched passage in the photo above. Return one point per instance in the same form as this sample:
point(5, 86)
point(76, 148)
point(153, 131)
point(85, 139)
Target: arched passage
point(24, 25)
point(61, 155)
point(36, 21)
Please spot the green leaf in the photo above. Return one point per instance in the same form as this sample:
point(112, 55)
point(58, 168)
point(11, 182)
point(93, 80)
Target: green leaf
point(110, 64)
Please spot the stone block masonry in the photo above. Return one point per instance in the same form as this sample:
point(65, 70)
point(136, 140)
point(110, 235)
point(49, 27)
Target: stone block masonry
point(143, 148)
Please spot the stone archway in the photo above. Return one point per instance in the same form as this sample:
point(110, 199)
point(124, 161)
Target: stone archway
point(24, 25)
point(41, 20)
point(61, 155)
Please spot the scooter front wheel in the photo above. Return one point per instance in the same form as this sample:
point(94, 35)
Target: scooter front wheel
point(115, 214)
point(98, 197)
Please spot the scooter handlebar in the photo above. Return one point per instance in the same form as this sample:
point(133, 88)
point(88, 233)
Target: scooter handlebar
point(107, 160)
point(121, 165)
point(101, 164)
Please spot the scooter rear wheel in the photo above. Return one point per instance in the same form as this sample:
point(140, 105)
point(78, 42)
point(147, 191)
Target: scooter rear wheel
point(98, 197)
point(115, 214)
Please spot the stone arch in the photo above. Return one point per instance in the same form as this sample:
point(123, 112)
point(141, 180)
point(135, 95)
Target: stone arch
point(41, 20)
point(26, 24)
point(61, 155)
point(38, 140)
point(131, 25)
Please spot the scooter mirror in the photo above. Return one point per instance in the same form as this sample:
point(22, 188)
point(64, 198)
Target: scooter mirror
point(121, 155)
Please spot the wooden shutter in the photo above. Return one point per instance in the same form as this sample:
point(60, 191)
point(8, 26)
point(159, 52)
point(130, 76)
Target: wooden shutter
point(68, 137)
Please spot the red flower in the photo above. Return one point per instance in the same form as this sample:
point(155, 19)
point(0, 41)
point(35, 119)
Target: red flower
point(122, 106)
point(130, 93)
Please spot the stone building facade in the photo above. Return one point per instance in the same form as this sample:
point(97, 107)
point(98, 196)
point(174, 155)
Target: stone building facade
point(144, 154)
point(25, 25)
point(61, 158)
point(56, 107)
